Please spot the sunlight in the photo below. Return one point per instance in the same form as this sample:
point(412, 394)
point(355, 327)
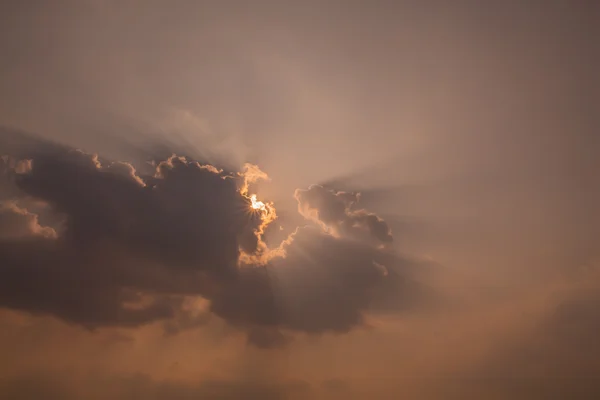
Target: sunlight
point(257, 204)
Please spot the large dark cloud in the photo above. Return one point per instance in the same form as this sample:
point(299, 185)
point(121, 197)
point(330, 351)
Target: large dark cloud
point(129, 249)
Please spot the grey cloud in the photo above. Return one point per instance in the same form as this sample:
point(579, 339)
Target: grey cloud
point(323, 284)
point(116, 232)
point(191, 218)
point(47, 276)
point(335, 210)
point(178, 233)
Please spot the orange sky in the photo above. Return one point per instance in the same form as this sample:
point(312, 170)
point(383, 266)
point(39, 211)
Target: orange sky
point(466, 268)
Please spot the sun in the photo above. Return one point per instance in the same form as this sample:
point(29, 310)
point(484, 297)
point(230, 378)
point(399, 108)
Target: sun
point(257, 204)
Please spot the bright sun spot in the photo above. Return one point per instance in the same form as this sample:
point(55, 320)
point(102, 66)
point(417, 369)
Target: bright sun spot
point(257, 204)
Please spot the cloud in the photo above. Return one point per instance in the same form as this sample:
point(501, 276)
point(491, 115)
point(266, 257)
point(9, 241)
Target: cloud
point(133, 249)
point(18, 223)
point(334, 211)
point(10, 164)
point(323, 284)
point(9, 168)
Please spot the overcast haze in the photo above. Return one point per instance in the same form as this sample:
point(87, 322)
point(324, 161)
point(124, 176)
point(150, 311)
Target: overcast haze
point(468, 266)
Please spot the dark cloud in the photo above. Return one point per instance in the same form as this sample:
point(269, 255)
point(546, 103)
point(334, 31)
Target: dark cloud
point(9, 168)
point(48, 276)
point(131, 248)
point(190, 218)
point(323, 284)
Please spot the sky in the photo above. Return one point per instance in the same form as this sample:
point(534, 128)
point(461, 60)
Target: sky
point(299, 199)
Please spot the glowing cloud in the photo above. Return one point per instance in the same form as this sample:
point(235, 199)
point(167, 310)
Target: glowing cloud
point(267, 214)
